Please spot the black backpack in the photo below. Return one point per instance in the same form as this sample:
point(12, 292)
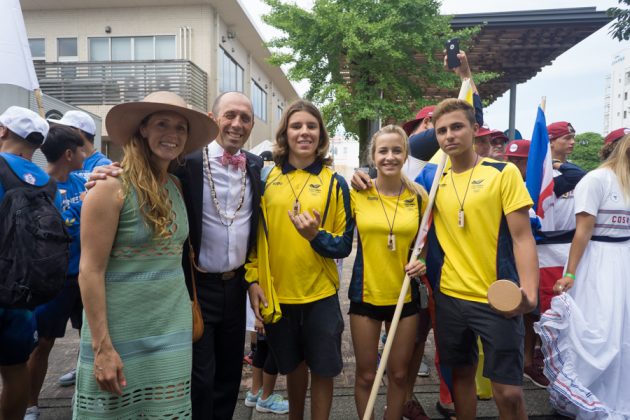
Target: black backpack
point(34, 243)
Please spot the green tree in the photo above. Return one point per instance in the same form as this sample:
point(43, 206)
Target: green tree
point(621, 28)
point(364, 59)
point(586, 150)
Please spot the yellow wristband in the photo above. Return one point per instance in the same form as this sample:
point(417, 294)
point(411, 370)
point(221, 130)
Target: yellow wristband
point(569, 275)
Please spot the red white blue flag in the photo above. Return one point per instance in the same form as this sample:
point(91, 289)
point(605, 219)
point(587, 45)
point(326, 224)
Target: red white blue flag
point(540, 173)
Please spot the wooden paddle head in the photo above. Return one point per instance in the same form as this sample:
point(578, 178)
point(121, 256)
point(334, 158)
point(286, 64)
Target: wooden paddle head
point(504, 296)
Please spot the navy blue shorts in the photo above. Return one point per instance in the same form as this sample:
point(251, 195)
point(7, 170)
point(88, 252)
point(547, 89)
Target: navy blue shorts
point(308, 332)
point(18, 335)
point(382, 313)
point(458, 324)
point(52, 317)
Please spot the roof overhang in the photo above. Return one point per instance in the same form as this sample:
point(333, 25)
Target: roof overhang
point(517, 45)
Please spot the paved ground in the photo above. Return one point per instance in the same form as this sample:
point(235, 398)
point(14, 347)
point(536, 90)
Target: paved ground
point(55, 400)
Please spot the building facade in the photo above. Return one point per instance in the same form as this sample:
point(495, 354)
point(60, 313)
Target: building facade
point(616, 96)
point(98, 53)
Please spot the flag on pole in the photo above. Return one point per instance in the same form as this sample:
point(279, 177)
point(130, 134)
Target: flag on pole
point(15, 55)
point(540, 173)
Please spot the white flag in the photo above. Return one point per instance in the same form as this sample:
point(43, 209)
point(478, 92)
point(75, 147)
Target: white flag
point(16, 63)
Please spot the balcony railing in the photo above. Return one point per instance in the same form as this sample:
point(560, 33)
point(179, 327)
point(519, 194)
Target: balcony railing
point(114, 82)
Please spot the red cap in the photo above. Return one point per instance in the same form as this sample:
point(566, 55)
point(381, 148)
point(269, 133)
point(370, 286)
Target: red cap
point(483, 131)
point(517, 148)
point(559, 129)
point(615, 135)
point(498, 134)
point(425, 112)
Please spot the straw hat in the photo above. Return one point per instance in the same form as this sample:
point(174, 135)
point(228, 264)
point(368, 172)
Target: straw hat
point(123, 120)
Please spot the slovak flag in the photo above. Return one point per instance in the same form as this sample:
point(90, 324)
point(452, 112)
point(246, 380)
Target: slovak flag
point(539, 180)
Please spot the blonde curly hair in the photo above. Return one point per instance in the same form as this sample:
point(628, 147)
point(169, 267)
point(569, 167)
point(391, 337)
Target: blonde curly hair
point(141, 175)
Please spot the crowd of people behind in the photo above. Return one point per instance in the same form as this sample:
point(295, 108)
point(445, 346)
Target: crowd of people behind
point(190, 215)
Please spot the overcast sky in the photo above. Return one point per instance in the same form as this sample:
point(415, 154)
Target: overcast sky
point(573, 84)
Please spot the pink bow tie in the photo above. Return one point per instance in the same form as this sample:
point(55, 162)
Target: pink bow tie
point(235, 160)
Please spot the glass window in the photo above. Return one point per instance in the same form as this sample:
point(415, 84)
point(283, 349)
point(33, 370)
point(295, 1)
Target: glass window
point(99, 49)
point(67, 49)
point(143, 48)
point(231, 73)
point(259, 100)
point(279, 111)
point(121, 49)
point(132, 48)
point(38, 48)
point(165, 48)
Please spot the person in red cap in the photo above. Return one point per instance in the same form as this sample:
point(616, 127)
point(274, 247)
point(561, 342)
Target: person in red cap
point(421, 123)
point(482, 142)
point(610, 142)
point(498, 140)
point(561, 141)
point(517, 152)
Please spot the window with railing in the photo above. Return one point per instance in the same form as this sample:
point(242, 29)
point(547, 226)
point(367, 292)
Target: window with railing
point(67, 51)
point(231, 73)
point(259, 101)
point(130, 48)
point(38, 48)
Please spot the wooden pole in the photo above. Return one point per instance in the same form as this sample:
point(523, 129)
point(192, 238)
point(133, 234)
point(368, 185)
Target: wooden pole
point(40, 104)
point(543, 103)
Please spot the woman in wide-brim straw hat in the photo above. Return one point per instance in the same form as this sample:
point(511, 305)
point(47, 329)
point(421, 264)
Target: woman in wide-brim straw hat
point(136, 348)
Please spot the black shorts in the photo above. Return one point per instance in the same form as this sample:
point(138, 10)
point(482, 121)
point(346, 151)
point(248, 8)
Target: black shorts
point(458, 324)
point(308, 332)
point(52, 317)
point(382, 313)
point(263, 359)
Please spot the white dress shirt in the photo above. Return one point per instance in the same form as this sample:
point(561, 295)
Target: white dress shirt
point(224, 248)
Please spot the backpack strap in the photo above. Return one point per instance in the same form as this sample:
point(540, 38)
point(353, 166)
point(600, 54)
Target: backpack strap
point(330, 188)
point(10, 180)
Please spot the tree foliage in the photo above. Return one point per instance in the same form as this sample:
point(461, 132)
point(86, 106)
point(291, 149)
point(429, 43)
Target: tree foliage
point(621, 27)
point(362, 57)
point(586, 149)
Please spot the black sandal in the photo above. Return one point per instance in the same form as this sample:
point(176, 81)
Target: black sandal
point(447, 413)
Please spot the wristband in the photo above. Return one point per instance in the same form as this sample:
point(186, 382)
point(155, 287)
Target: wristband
point(569, 275)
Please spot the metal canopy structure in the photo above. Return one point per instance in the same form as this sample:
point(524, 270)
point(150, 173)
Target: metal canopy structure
point(516, 45)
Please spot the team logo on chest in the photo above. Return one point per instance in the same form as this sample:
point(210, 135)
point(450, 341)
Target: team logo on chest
point(410, 202)
point(477, 185)
point(315, 188)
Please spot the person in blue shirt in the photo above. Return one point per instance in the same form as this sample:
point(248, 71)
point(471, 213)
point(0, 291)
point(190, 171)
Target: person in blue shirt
point(83, 124)
point(64, 151)
point(21, 133)
point(85, 127)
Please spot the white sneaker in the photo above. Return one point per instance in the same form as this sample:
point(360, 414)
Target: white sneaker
point(424, 369)
point(69, 378)
point(32, 413)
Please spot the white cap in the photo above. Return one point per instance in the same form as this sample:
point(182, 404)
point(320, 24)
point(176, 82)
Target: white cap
point(77, 119)
point(24, 122)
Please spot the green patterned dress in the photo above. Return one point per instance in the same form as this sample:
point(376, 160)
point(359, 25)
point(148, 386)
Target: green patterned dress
point(150, 323)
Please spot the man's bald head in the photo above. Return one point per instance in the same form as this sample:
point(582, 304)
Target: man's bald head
point(234, 114)
point(229, 96)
